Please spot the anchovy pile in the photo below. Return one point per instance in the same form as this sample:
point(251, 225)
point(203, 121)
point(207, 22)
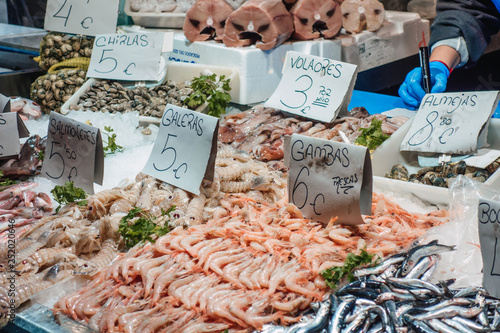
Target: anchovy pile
point(396, 296)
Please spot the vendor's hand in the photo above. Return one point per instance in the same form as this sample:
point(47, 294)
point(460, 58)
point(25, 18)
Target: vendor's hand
point(411, 90)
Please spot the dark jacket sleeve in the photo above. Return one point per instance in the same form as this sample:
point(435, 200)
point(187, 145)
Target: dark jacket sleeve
point(474, 20)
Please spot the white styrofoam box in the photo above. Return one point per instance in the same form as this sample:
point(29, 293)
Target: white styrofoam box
point(389, 154)
point(398, 38)
point(259, 71)
point(157, 20)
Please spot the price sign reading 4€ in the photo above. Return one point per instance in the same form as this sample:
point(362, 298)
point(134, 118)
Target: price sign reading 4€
point(329, 179)
point(74, 153)
point(314, 87)
point(451, 123)
point(489, 237)
point(185, 149)
point(132, 57)
point(84, 17)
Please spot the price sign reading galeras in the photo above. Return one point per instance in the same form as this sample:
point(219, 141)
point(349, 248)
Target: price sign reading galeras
point(451, 123)
point(84, 17)
point(11, 129)
point(489, 236)
point(131, 57)
point(74, 153)
point(185, 149)
point(327, 179)
point(314, 87)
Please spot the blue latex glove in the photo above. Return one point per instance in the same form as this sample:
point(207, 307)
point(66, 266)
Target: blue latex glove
point(411, 90)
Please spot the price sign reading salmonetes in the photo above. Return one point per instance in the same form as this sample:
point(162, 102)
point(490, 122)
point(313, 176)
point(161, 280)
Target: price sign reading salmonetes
point(74, 153)
point(132, 57)
point(451, 123)
point(328, 179)
point(84, 17)
point(185, 149)
point(489, 237)
point(11, 129)
point(314, 87)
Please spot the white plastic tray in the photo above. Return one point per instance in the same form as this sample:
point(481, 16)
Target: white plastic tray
point(388, 154)
point(155, 20)
point(175, 71)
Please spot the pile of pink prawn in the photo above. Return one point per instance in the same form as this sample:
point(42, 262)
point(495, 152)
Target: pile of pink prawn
point(261, 130)
point(259, 264)
point(21, 206)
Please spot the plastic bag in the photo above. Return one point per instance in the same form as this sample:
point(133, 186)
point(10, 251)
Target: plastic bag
point(465, 264)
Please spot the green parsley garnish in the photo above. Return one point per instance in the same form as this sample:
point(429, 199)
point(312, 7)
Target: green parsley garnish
point(207, 88)
point(334, 274)
point(68, 193)
point(372, 137)
point(5, 181)
point(111, 146)
point(138, 226)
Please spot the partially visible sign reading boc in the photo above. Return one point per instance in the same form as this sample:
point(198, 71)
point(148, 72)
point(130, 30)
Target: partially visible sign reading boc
point(85, 17)
point(132, 57)
point(489, 235)
point(314, 87)
point(185, 149)
point(327, 179)
point(451, 123)
point(74, 153)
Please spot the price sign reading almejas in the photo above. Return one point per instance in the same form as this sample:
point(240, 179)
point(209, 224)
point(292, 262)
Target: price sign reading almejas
point(83, 17)
point(131, 57)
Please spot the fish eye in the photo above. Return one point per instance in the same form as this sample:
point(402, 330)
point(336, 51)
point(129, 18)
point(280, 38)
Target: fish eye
point(330, 12)
point(377, 11)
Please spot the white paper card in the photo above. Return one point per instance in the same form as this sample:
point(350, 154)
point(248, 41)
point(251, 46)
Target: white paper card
point(74, 153)
point(483, 158)
point(84, 17)
point(9, 134)
point(130, 57)
point(327, 179)
point(314, 87)
point(4, 103)
point(451, 123)
point(185, 149)
point(489, 238)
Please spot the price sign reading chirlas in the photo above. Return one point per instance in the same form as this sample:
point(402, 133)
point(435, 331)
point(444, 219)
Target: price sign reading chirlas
point(451, 123)
point(489, 237)
point(185, 149)
point(329, 179)
point(74, 153)
point(131, 57)
point(314, 87)
point(84, 17)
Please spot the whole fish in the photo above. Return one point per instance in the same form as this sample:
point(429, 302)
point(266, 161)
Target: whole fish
point(320, 321)
point(336, 323)
point(418, 252)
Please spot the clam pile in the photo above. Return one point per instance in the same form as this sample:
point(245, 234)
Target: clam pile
point(51, 91)
point(442, 175)
point(111, 96)
point(56, 47)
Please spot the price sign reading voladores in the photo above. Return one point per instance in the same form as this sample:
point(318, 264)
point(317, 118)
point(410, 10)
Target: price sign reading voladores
point(131, 57)
point(185, 149)
point(329, 179)
point(74, 153)
point(451, 123)
point(489, 236)
point(84, 17)
point(314, 87)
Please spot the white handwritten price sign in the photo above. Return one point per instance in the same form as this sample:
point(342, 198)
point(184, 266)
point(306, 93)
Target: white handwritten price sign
point(84, 17)
point(451, 123)
point(4, 103)
point(11, 129)
point(74, 153)
point(132, 57)
point(328, 179)
point(489, 237)
point(314, 87)
point(185, 149)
